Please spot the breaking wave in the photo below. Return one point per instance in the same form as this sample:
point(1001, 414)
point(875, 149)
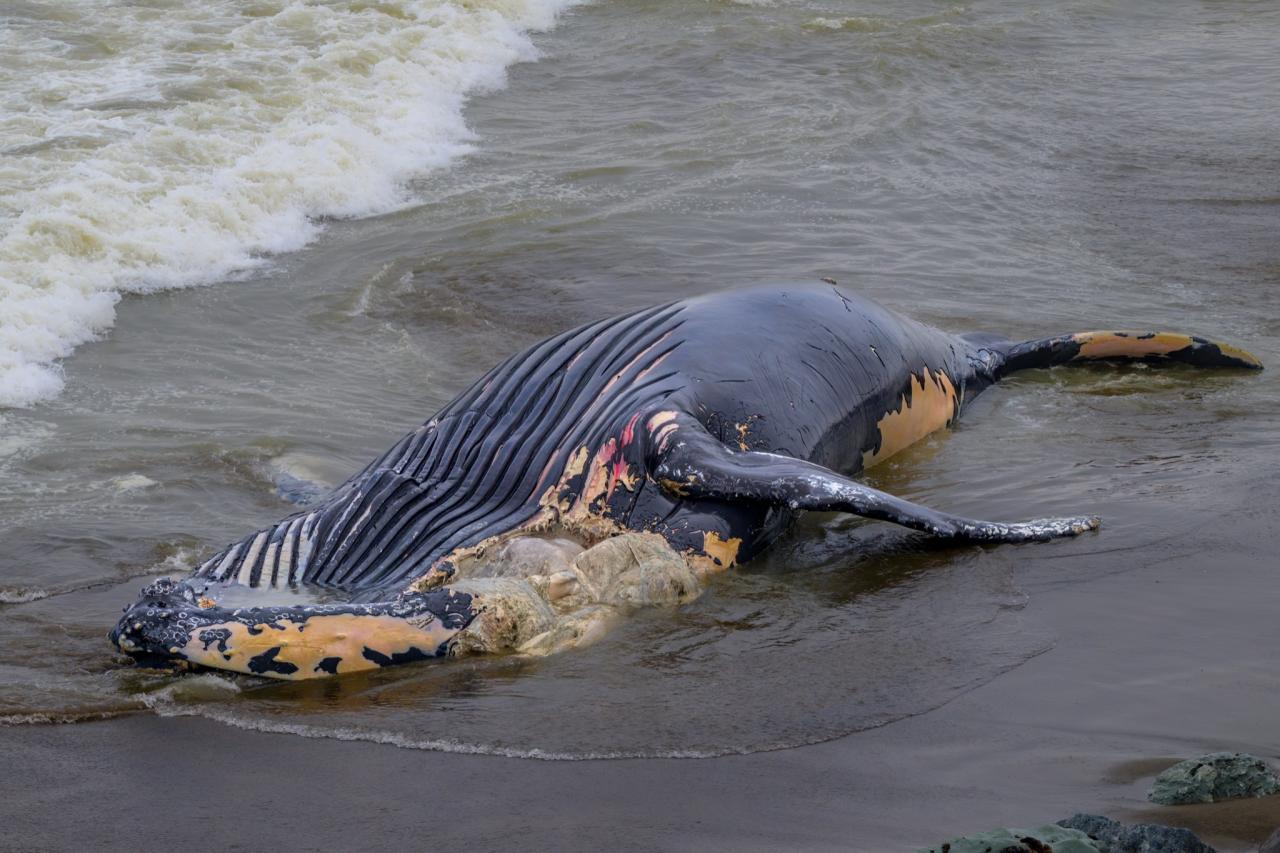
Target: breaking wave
point(149, 146)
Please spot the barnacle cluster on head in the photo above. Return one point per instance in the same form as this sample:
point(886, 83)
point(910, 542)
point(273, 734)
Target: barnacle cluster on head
point(160, 622)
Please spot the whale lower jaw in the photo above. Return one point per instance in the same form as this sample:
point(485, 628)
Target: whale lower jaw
point(172, 623)
point(530, 596)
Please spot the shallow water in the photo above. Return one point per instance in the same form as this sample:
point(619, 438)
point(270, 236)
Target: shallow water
point(986, 166)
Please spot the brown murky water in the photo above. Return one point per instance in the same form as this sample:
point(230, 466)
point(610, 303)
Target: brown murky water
point(991, 166)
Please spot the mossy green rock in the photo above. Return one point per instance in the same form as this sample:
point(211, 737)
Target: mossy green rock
point(1214, 777)
point(1020, 841)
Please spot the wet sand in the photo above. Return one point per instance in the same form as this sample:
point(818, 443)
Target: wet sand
point(1137, 677)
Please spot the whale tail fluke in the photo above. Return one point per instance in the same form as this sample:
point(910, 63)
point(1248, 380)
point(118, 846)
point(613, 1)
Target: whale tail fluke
point(1125, 346)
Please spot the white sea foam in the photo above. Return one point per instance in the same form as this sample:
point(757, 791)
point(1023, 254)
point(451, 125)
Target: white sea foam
point(205, 687)
point(149, 146)
point(240, 721)
point(133, 483)
point(22, 594)
point(41, 718)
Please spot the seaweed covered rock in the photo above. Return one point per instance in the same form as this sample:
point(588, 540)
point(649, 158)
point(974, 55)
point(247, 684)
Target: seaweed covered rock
point(1081, 833)
point(1214, 777)
point(1111, 836)
point(1044, 839)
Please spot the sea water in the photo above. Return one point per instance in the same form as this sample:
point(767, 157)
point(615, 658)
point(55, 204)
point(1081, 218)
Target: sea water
point(247, 245)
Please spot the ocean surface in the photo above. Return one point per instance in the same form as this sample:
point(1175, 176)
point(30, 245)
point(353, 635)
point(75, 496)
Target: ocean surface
point(246, 244)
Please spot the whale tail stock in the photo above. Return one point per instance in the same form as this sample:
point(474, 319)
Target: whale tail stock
point(1154, 347)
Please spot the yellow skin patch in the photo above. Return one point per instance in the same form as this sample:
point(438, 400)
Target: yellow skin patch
point(661, 419)
point(1133, 345)
point(304, 644)
point(675, 487)
point(576, 465)
point(931, 407)
point(723, 552)
point(1244, 355)
point(1111, 345)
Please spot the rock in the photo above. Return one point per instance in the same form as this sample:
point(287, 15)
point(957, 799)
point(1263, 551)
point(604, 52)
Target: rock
point(1114, 837)
point(1272, 844)
point(1081, 833)
point(1214, 777)
point(1041, 840)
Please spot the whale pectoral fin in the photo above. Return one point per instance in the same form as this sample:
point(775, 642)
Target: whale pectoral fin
point(698, 466)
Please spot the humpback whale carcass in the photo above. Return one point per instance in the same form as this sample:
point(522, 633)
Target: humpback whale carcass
point(678, 441)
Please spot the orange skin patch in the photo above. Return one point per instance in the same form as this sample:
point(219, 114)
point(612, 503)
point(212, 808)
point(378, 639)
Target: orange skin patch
point(675, 487)
point(744, 430)
point(1142, 344)
point(724, 552)
point(1111, 345)
point(304, 644)
point(1245, 356)
point(932, 406)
